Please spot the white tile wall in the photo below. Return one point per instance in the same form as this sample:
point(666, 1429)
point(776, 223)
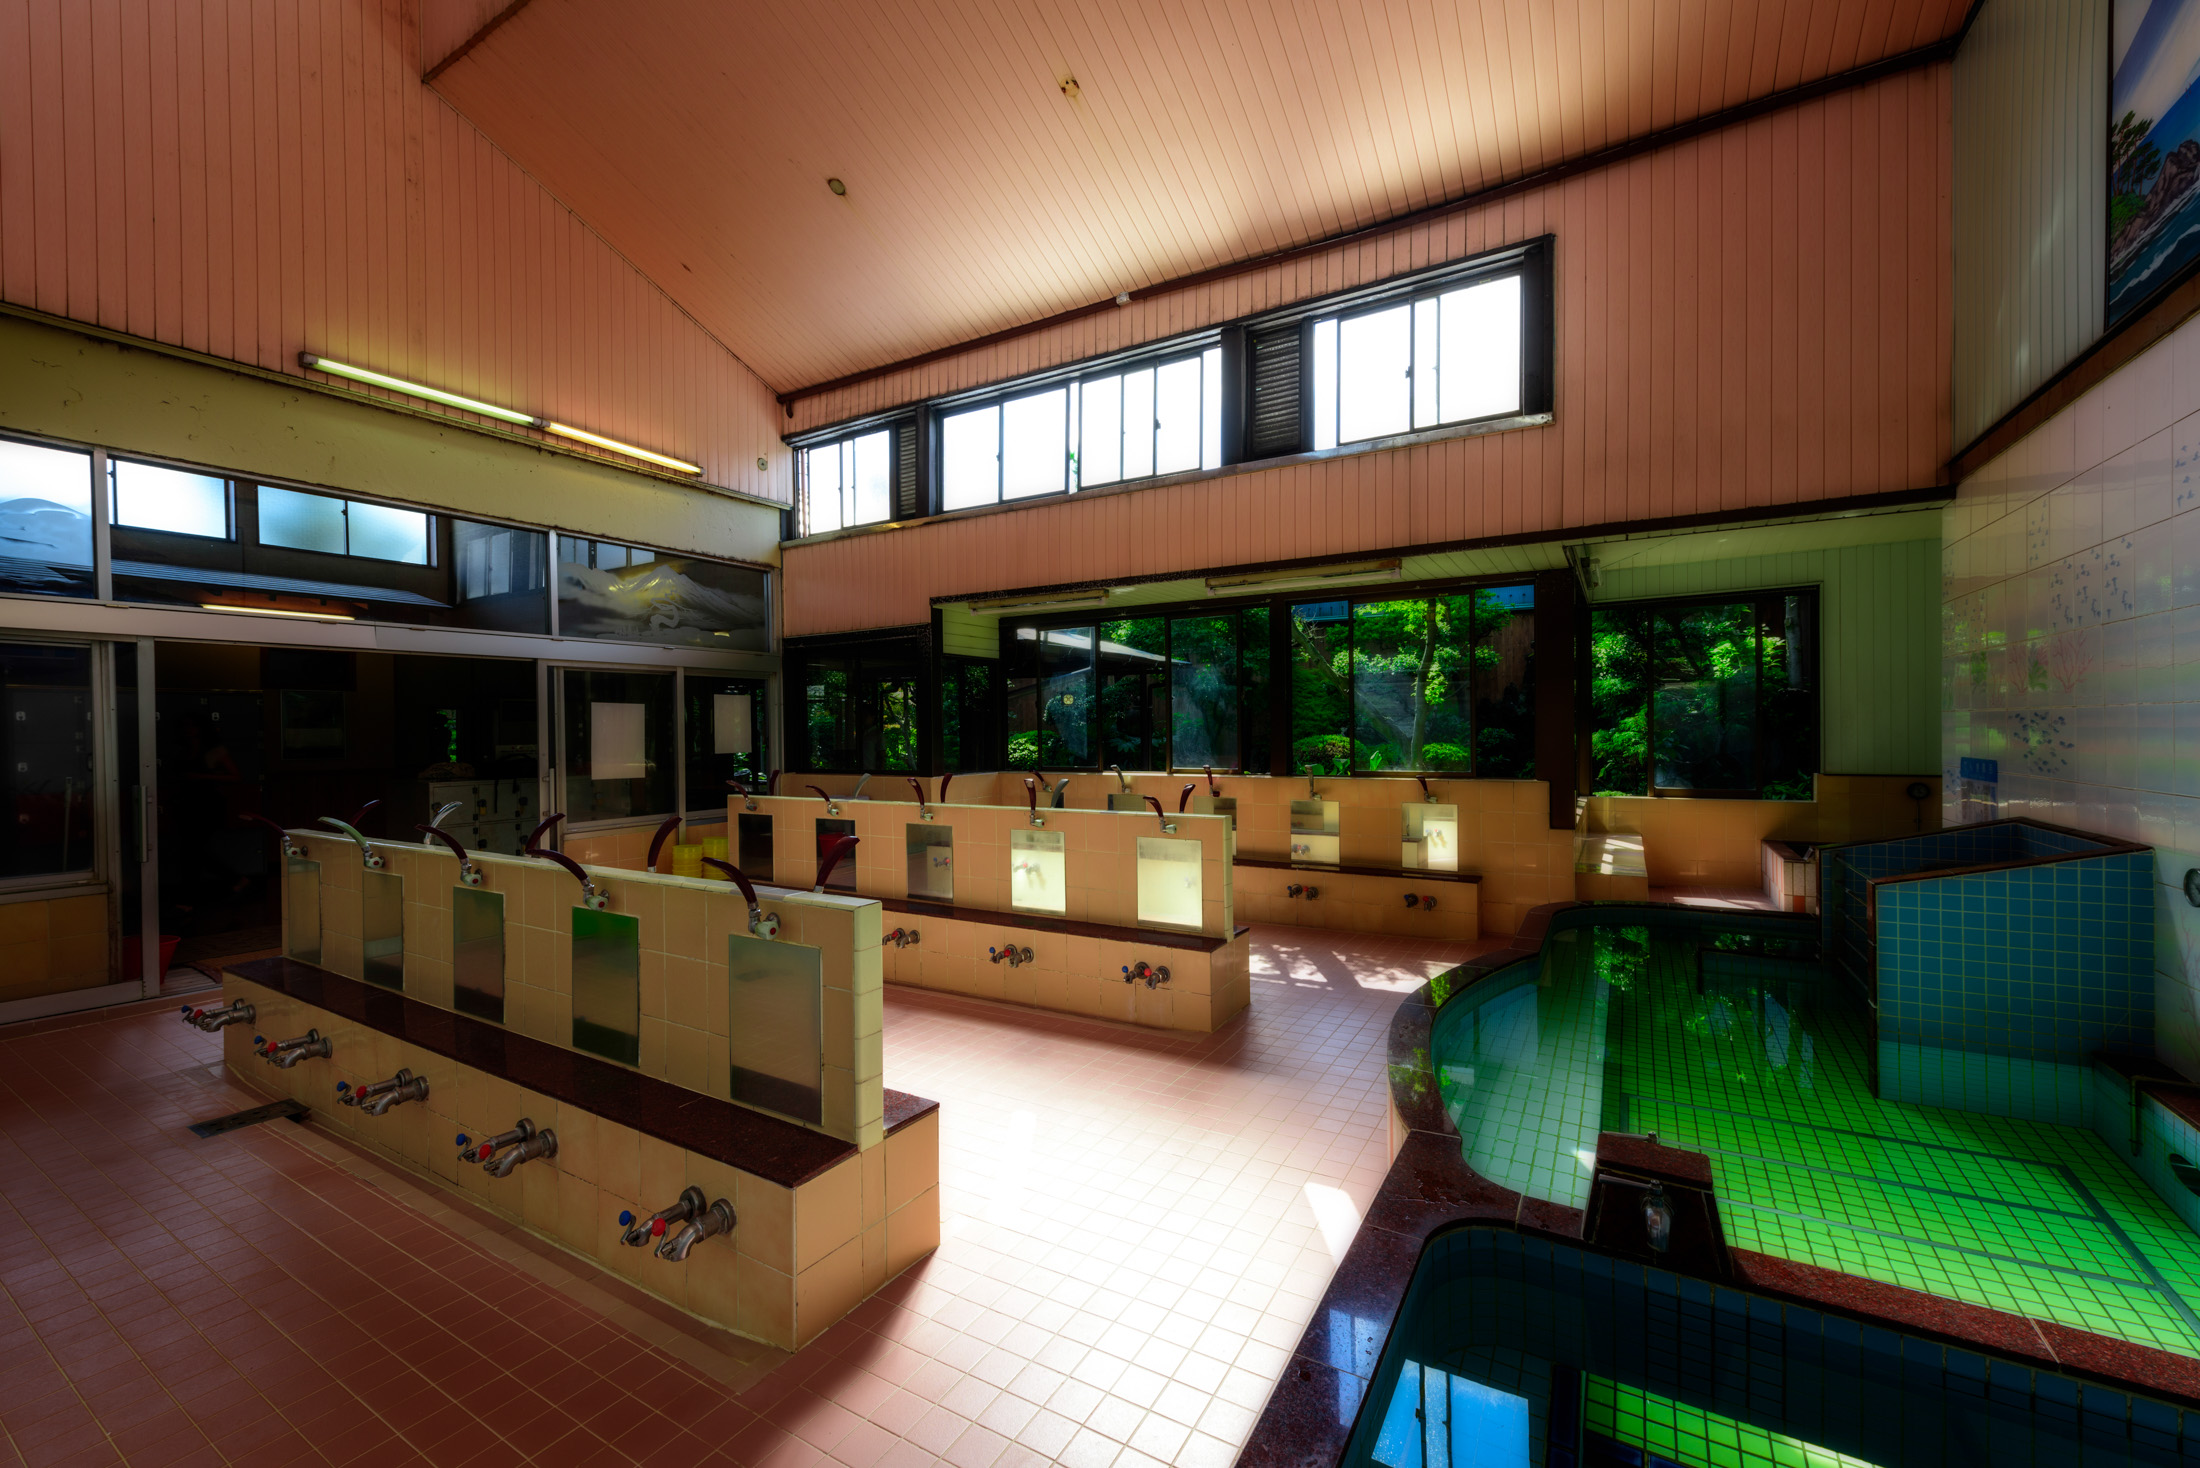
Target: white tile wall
point(2070, 638)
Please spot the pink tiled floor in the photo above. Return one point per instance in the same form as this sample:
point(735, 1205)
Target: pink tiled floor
point(1136, 1229)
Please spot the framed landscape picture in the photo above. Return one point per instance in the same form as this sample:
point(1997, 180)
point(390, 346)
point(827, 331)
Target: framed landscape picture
point(2153, 148)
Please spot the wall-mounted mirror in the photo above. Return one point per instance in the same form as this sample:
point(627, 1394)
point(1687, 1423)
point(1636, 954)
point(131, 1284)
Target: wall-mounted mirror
point(477, 953)
point(1168, 882)
point(382, 928)
point(607, 985)
point(1314, 831)
point(302, 909)
point(1038, 872)
point(776, 997)
point(931, 862)
point(1430, 837)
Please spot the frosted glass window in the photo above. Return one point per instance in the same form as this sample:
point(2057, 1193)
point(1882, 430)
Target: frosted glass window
point(1138, 423)
point(1373, 354)
point(1176, 417)
point(386, 533)
point(970, 458)
point(1100, 446)
point(295, 521)
point(873, 481)
point(1426, 334)
point(617, 748)
point(821, 480)
point(1325, 384)
point(1480, 366)
point(148, 497)
point(1034, 444)
point(1210, 414)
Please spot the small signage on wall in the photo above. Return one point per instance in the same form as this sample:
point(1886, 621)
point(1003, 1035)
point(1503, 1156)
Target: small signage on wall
point(1979, 789)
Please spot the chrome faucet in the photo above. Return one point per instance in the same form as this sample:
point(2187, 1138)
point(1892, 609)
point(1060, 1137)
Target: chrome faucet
point(857, 793)
point(500, 1154)
point(441, 812)
point(901, 937)
point(1010, 954)
point(1061, 788)
point(312, 1045)
point(377, 1097)
point(748, 800)
point(924, 807)
point(1311, 792)
point(1153, 975)
point(712, 1221)
point(830, 808)
point(1121, 778)
point(367, 853)
point(471, 1151)
point(641, 1231)
point(215, 1020)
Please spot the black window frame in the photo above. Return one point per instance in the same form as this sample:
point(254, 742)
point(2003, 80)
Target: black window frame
point(1760, 599)
point(1410, 300)
point(901, 489)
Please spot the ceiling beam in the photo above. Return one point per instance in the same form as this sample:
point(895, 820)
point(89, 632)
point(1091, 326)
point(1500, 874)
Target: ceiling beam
point(473, 40)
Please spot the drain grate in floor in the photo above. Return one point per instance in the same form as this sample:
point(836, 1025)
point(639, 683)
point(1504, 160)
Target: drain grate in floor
point(292, 1110)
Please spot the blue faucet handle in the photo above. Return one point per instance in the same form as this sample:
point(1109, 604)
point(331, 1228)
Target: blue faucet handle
point(463, 1140)
point(626, 1218)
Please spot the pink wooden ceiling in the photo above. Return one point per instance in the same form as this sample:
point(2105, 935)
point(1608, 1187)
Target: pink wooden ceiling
point(697, 136)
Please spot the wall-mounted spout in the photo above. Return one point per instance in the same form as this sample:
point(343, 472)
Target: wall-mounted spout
point(367, 853)
point(442, 813)
point(902, 937)
point(657, 842)
point(1120, 778)
point(945, 781)
point(857, 793)
point(290, 848)
point(748, 800)
point(761, 923)
point(1212, 787)
point(641, 1232)
point(924, 807)
point(1311, 792)
point(214, 1021)
point(771, 783)
point(1426, 904)
point(359, 816)
point(377, 1097)
point(590, 898)
point(1184, 796)
point(713, 1221)
point(535, 836)
point(312, 1045)
point(467, 871)
point(1031, 793)
point(830, 808)
point(1425, 792)
point(1152, 975)
point(542, 1144)
point(835, 849)
point(470, 1150)
point(1009, 954)
point(1168, 827)
point(1061, 791)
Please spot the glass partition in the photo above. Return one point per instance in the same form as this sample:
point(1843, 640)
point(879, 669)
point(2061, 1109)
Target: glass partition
point(46, 734)
point(617, 755)
point(1411, 685)
point(1050, 698)
point(45, 520)
point(1203, 691)
point(1134, 694)
point(728, 737)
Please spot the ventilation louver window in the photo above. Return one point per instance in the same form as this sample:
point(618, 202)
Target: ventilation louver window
point(1273, 421)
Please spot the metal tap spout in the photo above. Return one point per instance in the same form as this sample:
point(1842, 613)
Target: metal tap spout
point(367, 853)
point(542, 1144)
point(857, 793)
point(715, 1220)
point(763, 924)
point(442, 812)
point(1120, 778)
point(313, 1046)
point(643, 1231)
point(830, 808)
point(405, 1086)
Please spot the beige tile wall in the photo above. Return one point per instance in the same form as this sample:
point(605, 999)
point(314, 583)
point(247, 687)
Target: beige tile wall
point(685, 925)
point(51, 945)
point(798, 1260)
point(1360, 904)
point(1075, 975)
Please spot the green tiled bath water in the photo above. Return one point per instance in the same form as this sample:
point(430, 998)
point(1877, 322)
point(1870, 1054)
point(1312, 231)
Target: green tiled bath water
point(1720, 1042)
point(1679, 1433)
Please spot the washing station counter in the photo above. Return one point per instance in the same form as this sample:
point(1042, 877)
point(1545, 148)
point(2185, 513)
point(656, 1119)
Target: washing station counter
point(1123, 915)
point(647, 1070)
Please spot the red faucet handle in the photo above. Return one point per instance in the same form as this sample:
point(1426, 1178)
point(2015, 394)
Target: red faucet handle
point(481, 1153)
point(656, 1228)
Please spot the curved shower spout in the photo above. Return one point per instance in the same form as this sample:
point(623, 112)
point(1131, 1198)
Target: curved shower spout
point(657, 842)
point(442, 813)
point(748, 801)
point(367, 853)
point(924, 807)
point(1061, 791)
point(1426, 794)
point(1167, 826)
point(771, 783)
point(535, 836)
point(359, 816)
point(590, 897)
point(945, 781)
point(830, 808)
point(1212, 787)
point(467, 871)
point(290, 848)
point(1031, 793)
point(763, 924)
point(857, 793)
point(840, 846)
point(1184, 796)
point(1120, 778)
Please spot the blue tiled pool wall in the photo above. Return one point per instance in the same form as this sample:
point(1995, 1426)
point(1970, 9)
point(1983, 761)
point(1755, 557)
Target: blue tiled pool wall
point(2162, 1134)
point(1878, 1394)
point(2051, 962)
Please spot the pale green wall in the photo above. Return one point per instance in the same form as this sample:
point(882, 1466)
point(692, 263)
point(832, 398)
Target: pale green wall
point(1879, 641)
point(965, 634)
point(78, 386)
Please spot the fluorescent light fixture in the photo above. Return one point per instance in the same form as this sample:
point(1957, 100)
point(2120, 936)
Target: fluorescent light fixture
point(216, 606)
point(1353, 573)
point(491, 410)
point(1065, 602)
point(413, 389)
point(568, 431)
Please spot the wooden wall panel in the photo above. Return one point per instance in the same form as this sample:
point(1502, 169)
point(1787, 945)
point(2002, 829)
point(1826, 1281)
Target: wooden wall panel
point(1758, 317)
point(255, 180)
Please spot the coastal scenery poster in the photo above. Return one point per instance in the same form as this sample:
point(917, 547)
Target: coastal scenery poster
point(2153, 148)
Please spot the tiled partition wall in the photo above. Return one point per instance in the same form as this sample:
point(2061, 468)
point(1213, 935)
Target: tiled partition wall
point(685, 1013)
point(2071, 640)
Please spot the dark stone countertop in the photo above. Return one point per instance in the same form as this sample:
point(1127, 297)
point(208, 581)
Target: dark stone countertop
point(1346, 869)
point(1031, 922)
point(765, 1146)
point(1309, 1417)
